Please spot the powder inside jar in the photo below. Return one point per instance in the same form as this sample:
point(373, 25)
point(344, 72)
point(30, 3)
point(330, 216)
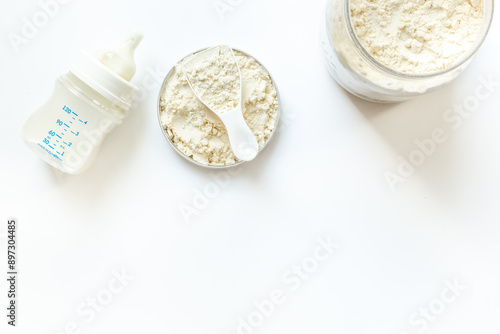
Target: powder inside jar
point(417, 36)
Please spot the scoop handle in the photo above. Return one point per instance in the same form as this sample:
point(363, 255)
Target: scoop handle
point(241, 138)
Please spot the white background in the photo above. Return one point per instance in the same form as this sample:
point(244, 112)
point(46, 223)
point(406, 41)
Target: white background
point(322, 175)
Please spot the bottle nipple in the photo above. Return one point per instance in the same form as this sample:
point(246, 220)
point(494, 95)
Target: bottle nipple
point(119, 58)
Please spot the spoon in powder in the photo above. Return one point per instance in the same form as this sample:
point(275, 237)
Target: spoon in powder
point(215, 78)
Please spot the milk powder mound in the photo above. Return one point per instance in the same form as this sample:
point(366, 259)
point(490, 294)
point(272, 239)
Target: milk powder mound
point(417, 36)
point(216, 79)
point(198, 133)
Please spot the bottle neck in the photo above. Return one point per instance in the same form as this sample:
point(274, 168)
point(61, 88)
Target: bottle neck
point(103, 80)
point(82, 90)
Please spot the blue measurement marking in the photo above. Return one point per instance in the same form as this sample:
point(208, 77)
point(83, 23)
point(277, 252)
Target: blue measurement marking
point(66, 125)
point(74, 113)
point(57, 140)
point(65, 130)
point(58, 152)
point(74, 133)
point(80, 120)
point(59, 136)
point(51, 146)
point(65, 142)
point(71, 122)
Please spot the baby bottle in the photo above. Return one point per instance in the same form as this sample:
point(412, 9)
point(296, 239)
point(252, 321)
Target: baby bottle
point(87, 103)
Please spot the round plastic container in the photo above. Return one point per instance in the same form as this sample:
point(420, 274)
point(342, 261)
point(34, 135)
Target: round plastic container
point(167, 136)
point(362, 75)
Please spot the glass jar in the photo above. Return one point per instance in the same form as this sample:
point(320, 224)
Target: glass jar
point(362, 75)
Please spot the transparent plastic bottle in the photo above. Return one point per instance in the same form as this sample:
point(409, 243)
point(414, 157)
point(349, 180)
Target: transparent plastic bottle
point(87, 103)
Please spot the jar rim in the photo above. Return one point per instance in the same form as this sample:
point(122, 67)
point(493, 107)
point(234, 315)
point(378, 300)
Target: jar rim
point(488, 10)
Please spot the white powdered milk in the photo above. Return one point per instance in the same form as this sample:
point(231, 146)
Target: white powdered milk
point(198, 133)
point(216, 79)
point(417, 36)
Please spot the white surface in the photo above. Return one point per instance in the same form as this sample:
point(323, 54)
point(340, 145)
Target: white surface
point(322, 175)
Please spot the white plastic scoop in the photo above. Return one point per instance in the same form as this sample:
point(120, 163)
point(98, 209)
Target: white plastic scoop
point(215, 78)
